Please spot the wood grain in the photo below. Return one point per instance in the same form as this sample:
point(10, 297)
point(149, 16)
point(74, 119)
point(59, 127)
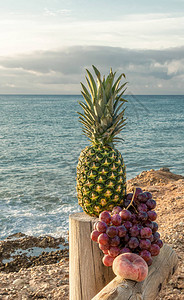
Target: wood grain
point(87, 274)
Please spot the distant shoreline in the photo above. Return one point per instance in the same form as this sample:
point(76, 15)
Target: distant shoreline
point(81, 96)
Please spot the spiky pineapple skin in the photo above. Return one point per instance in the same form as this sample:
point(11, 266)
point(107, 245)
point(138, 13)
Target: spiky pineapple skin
point(101, 179)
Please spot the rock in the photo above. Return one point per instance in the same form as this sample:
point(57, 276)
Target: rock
point(19, 282)
point(165, 169)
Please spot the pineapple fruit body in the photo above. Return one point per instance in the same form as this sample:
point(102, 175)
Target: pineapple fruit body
point(101, 179)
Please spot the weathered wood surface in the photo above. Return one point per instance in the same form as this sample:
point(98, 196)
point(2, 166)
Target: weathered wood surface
point(87, 274)
point(163, 267)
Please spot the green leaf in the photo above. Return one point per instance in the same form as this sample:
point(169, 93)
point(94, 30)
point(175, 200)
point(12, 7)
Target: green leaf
point(118, 131)
point(118, 99)
point(116, 84)
point(87, 134)
point(104, 123)
point(86, 131)
point(91, 89)
point(87, 118)
point(87, 110)
point(117, 140)
point(102, 95)
point(116, 122)
point(85, 89)
point(92, 84)
point(85, 123)
point(116, 112)
point(110, 105)
point(108, 84)
point(87, 99)
point(98, 75)
point(98, 111)
point(121, 87)
point(120, 127)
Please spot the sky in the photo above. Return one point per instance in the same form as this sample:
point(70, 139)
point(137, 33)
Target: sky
point(46, 45)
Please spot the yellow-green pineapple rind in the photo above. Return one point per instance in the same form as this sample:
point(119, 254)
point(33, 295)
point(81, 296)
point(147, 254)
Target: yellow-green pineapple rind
point(101, 179)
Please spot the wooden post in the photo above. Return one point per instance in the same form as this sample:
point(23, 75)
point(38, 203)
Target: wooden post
point(88, 275)
point(163, 267)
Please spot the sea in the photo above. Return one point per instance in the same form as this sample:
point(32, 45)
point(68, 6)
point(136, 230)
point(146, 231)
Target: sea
point(41, 140)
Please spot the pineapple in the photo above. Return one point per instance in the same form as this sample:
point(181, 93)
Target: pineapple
point(101, 175)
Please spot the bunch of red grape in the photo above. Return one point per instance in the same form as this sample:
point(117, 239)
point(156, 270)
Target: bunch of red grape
point(131, 230)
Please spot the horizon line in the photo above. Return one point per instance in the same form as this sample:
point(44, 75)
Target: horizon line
point(81, 94)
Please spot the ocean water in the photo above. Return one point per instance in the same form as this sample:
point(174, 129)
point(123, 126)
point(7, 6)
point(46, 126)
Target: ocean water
point(40, 142)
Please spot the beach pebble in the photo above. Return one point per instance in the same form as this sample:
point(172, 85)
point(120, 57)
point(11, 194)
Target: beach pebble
point(19, 282)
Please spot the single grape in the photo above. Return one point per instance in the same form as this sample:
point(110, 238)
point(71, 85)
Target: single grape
point(151, 204)
point(115, 241)
point(101, 226)
point(127, 224)
point(112, 231)
point(137, 192)
point(142, 197)
point(94, 235)
point(116, 210)
point(142, 207)
point(145, 254)
point(159, 243)
point(94, 225)
point(152, 215)
point(149, 262)
point(134, 219)
point(148, 195)
point(114, 251)
point(103, 239)
point(108, 260)
point(151, 238)
point(122, 231)
point(140, 226)
point(134, 230)
point(145, 232)
point(126, 203)
point(116, 220)
point(105, 217)
point(136, 202)
point(133, 242)
point(154, 249)
point(156, 236)
point(155, 226)
point(125, 250)
point(105, 251)
point(104, 247)
point(142, 216)
point(129, 196)
point(126, 238)
point(149, 224)
point(145, 244)
point(125, 215)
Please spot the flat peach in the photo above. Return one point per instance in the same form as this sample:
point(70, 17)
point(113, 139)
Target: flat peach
point(130, 266)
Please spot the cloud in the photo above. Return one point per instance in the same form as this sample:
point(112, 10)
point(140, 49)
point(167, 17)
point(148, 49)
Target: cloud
point(148, 71)
point(54, 29)
point(54, 13)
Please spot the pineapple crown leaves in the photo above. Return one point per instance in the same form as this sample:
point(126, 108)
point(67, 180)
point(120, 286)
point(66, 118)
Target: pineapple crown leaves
point(103, 116)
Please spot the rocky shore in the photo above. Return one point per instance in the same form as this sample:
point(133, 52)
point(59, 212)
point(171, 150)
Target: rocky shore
point(37, 267)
